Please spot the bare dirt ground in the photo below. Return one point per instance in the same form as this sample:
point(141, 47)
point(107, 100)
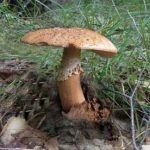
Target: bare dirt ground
point(34, 97)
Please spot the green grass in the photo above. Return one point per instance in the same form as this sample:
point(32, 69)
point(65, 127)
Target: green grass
point(126, 24)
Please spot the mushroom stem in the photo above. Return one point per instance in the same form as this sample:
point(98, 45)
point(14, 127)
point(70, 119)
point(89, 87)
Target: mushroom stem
point(68, 81)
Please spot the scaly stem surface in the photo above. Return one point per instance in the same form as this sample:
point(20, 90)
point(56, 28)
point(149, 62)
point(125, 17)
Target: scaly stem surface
point(68, 81)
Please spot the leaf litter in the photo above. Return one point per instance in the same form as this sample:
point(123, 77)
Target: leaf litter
point(26, 94)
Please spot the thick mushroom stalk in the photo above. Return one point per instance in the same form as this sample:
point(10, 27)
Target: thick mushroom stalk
point(68, 80)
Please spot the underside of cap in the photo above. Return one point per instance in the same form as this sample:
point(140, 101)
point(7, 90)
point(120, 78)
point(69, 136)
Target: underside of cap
point(78, 37)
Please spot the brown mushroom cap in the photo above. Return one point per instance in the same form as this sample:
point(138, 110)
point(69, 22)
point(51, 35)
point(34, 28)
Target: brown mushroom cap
point(78, 37)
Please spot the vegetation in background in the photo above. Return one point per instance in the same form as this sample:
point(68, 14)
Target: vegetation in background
point(124, 78)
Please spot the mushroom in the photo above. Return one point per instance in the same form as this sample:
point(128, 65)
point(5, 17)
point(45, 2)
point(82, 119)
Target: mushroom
point(72, 40)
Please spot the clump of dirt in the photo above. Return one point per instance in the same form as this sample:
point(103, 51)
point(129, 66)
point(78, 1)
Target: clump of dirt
point(35, 98)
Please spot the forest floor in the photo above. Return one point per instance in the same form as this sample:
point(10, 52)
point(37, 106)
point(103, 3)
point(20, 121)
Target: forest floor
point(36, 99)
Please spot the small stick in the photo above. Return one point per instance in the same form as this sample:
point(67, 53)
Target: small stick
point(131, 98)
point(116, 8)
point(41, 122)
